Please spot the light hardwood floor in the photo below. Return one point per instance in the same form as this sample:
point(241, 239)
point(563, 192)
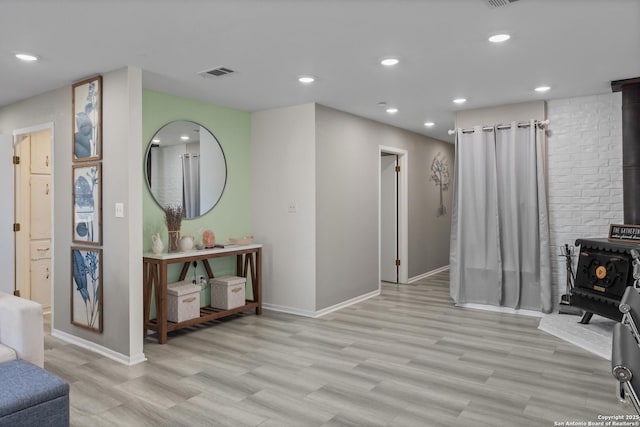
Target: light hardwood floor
point(405, 358)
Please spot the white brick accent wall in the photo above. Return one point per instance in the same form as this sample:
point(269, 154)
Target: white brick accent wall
point(584, 173)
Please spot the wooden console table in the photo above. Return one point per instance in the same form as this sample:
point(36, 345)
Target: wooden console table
point(248, 262)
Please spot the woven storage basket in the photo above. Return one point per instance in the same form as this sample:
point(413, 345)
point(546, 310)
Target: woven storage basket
point(183, 301)
point(227, 292)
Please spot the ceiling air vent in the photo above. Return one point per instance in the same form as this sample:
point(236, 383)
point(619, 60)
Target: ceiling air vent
point(500, 3)
point(216, 72)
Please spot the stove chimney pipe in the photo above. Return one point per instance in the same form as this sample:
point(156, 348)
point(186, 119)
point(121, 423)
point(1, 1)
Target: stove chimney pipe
point(630, 147)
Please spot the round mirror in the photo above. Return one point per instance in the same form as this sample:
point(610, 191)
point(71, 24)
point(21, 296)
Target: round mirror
point(185, 166)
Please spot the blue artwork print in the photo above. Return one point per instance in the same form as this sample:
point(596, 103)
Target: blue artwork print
point(86, 209)
point(87, 291)
point(87, 117)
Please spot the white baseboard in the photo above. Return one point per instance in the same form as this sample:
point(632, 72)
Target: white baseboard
point(96, 348)
point(428, 273)
point(324, 311)
point(288, 310)
point(501, 309)
point(347, 303)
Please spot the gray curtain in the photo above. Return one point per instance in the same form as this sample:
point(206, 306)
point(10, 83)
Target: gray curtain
point(191, 185)
point(500, 229)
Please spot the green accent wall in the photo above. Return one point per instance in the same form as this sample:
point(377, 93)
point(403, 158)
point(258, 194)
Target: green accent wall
point(231, 217)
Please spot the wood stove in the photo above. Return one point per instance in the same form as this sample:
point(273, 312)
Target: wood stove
point(605, 268)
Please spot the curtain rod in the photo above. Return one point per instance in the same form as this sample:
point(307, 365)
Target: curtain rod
point(540, 123)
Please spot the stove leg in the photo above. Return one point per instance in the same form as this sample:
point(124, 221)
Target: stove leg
point(586, 317)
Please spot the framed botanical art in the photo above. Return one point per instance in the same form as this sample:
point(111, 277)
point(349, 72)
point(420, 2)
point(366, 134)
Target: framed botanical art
point(87, 119)
point(86, 288)
point(87, 203)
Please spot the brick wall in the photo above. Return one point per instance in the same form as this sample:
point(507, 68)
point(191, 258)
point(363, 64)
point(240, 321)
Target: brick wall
point(584, 173)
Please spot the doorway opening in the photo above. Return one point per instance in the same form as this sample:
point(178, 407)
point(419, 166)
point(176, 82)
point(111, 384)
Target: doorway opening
point(33, 218)
point(392, 215)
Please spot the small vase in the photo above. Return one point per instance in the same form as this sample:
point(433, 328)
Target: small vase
point(174, 240)
point(186, 243)
point(157, 247)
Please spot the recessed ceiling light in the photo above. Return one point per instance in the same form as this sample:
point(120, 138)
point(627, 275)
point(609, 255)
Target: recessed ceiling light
point(429, 124)
point(306, 79)
point(389, 62)
point(542, 88)
point(184, 138)
point(499, 38)
point(392, 110)
point(26, 57)
point(460, 100)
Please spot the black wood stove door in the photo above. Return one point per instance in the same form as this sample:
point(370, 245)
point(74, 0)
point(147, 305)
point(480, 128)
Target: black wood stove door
point(604, 272)
point(605, 269)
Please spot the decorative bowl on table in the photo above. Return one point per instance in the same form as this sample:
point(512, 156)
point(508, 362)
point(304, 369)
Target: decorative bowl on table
point(245, 240)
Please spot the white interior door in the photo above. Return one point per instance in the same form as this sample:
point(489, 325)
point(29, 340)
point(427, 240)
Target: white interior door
point(22, 208)
point(6, 215)
point(388, 219)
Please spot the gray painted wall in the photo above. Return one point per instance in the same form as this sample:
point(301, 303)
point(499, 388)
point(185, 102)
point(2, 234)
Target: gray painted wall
point(347, 164)
point(122, 172)
point(283, 169)
point(429, 233)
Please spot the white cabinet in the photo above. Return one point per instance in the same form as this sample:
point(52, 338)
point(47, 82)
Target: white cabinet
point(41, 153)
point(40, 272)
point(33, 194)
point(41, 282)
point(40, 221)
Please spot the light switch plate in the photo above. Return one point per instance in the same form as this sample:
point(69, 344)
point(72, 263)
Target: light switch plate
point(119, 210)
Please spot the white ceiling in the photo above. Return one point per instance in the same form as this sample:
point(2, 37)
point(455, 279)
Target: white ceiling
point(575, 46)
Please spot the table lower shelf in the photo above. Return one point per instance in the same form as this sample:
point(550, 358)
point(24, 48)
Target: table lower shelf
point(206, 314)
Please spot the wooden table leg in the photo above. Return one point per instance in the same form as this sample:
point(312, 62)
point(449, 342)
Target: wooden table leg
point(248, 266)
point(207, 268)
point(184, 271)
point(146, 296)
point(161, 304)
point(257, 287)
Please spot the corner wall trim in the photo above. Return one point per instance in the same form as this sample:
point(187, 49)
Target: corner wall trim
point(34, 129)
point(428, 273)
point(324, 311)
point(96, 348)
